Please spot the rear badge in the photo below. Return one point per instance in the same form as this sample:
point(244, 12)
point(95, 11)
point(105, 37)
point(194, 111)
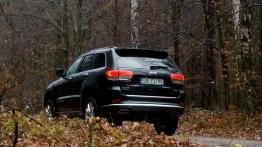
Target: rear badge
point(152, 73)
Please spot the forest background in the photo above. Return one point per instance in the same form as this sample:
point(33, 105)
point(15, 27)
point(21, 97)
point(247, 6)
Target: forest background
point(216, 43)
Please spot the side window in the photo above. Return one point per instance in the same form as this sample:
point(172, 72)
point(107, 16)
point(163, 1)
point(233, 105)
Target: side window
point(100, 60)
point(87, 63)
point(73, 68)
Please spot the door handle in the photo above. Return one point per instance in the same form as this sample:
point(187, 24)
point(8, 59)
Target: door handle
point(70, 78)
point(85, 74)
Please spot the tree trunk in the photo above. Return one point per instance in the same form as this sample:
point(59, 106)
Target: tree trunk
point(115, 27)
point(224, 78)
point(245, 62)
point(79, 26)
point(209, 91)
point(13, 35)
point(236, 16)
point(176, 13)
point(65, 33)
point(134, 24)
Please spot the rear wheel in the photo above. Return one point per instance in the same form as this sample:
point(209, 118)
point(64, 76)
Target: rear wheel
point(50, 109)
point(116, 121)
point(168, 126)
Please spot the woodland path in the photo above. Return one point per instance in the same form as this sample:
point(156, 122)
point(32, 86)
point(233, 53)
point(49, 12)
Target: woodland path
point(225, 142)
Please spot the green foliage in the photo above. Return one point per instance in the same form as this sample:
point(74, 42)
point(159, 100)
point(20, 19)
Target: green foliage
point(8, 126)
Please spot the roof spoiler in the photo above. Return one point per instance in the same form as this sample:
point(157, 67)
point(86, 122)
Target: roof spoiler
point(142, 53)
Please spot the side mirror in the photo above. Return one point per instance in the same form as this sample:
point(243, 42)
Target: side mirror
point(60, 72)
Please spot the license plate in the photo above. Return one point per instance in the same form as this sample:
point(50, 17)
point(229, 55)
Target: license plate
point(151, 81)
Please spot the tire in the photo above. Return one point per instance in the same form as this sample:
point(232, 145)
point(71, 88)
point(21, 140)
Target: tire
point(168, 126)
point(158, 127)
point(89, 110)
point(118, 123)
point(50, 109)
point(114, 120)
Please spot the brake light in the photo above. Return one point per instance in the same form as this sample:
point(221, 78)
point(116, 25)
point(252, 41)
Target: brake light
point(182, 104)
point(177, 78)
point(119, 75)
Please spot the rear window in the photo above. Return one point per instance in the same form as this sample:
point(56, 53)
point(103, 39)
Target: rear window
point(144, 62)
point(150, 59)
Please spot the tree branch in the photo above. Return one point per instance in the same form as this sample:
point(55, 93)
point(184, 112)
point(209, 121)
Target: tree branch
point(16, 128)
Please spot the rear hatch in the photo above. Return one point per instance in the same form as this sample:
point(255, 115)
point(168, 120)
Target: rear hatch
point(152, 70)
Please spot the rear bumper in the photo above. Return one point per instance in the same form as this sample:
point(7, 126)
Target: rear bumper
point(131, 108)
point(139, 107)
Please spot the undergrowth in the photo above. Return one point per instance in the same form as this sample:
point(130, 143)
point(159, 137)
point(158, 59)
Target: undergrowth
point(222, 124)
point(64, 131)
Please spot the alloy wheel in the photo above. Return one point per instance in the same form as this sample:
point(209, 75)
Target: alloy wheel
point(49, 109)
point(89, 112)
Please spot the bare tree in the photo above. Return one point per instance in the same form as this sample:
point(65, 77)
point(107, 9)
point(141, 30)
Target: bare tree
point(236, 16)
point(115, 25)
point(209, 91)
point(134, 24)
point(79, 22)
point(215, 43)
point(176, 6)
point(65, 35)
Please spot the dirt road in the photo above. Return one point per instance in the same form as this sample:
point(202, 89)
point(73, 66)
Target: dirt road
point(225, 142)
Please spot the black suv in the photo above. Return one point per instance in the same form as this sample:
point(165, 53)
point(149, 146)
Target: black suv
point(120, 84)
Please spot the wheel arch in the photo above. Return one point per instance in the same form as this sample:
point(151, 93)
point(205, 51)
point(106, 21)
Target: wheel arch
point(88, 91)
point(48, 96)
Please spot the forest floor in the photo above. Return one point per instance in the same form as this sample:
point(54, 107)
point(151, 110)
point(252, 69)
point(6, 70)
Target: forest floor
point(220, 129)
point(199, 122)
point(63, 131)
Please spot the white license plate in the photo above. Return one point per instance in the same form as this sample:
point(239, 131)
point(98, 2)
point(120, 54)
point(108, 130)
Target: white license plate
point(151, 81)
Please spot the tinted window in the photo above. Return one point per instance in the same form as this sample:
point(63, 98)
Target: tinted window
point(74, 67)
point(100, 60)
point(142, 62)
point(87, 63)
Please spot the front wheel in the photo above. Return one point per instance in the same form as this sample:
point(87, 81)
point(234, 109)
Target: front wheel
point(89, 110)
point(168, 126)
point(50, 109)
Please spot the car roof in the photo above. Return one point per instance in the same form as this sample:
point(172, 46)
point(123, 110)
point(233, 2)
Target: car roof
point(105, 49)
point(97, 50)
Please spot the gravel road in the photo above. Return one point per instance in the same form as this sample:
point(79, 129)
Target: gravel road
point(225, 142)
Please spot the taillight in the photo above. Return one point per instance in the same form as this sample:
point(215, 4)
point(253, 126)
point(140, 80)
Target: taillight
point(177, 78)
point(119, 75)
point(182, 104)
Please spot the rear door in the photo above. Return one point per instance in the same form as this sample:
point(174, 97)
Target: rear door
point(76, 81)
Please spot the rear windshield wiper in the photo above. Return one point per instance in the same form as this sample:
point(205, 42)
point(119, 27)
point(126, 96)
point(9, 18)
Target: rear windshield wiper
point(158, 67)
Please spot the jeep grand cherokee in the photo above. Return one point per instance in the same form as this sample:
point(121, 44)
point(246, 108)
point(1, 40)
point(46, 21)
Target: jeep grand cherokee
point(120, 84)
